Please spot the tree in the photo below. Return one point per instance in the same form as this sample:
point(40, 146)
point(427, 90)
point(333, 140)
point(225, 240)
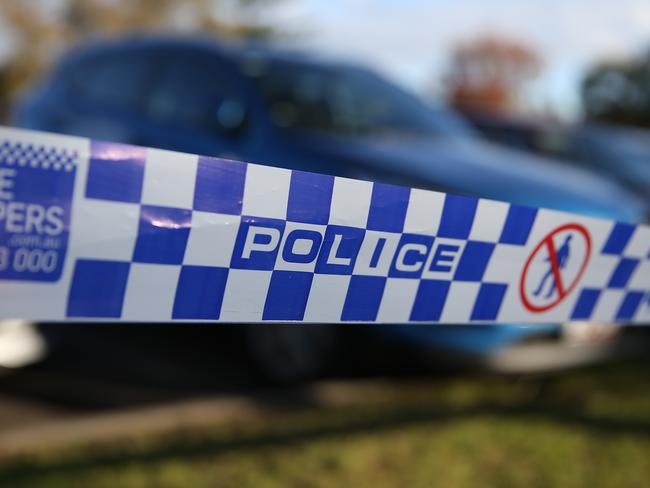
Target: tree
point(619, 92)
point(490, 73)
point(38, 38)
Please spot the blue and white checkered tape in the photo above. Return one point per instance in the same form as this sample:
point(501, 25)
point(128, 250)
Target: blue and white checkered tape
point(93, 230)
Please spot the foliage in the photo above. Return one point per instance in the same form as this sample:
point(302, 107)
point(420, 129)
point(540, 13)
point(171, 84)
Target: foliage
point(491, 73)
point(585, 428)
point(619, 92)
point(39, 36)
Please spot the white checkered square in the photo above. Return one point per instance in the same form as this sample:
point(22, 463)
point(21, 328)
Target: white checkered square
point(398, 299)
point(488, 221)
point(599, 271)
point(212, 239)
point(169, 179)
point(150, 292)
point(608, 304)
point(424, 212)
point(639, 244)
point(640, 279)
point(266, 193)
point(350, 202)
point(105, 230)
point(326, 298)
point(366, 253)
point(245, 295)
point(27, 300)
point(460, 302)
point(643, 313)
point(506, 264)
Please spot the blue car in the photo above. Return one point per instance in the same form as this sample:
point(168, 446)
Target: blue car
point(616, 152)
point(621, 153)
point(289, 110)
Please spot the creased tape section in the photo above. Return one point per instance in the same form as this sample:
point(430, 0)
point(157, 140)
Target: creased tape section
point(94, 230)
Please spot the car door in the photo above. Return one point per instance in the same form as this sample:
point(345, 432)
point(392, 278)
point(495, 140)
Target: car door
point(194, 104)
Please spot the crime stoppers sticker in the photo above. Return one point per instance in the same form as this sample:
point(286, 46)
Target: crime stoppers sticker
point(555, 267)
point(36, 186)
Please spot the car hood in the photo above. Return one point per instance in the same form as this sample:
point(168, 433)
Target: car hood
point(623, 152)
point(473, 167)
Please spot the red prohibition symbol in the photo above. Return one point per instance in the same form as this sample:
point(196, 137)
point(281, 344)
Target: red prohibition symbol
point(562, 289)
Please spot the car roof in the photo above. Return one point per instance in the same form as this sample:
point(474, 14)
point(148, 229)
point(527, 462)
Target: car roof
point(225, 48)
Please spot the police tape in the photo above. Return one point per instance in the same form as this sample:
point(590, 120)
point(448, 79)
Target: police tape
point(96, 230)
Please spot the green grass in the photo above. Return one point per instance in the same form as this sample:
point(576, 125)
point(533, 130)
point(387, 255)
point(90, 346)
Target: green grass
point(585, 428)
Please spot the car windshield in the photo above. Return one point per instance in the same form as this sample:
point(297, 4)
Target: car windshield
point(347, 101)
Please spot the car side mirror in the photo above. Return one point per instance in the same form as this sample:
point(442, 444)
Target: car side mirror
point(230, 117)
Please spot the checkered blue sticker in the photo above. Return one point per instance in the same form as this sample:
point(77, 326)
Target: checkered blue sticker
point(95, 230)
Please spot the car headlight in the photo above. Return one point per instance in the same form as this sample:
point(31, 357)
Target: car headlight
point(20, 343)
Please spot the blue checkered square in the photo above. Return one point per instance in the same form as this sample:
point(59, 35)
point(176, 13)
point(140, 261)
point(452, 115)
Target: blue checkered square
point(518, 224)
point(388, 206)
point(488, 301)
point(199, 293)
point(629, 306)
point(363, 298)
point(457, 216)
point(219, 186)
point(340, 249)
point(430, 300)
point(618, 238)
point(310, 197)
point(97, 288)
point(257, 243)
point(162, 235)
point(115, 172)
point(623, 272)
point(414, 249)
point(287, 295)
point(586, 303)
point(474, 261)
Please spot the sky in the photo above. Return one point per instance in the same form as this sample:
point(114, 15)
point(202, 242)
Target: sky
point(410, 40)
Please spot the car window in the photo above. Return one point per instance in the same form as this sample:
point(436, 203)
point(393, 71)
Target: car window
point(113, 81)
point(193, 91)
point(347, 101)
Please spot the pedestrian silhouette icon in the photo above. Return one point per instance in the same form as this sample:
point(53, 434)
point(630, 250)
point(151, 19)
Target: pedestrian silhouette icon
point(554, 267)
point(562, 256)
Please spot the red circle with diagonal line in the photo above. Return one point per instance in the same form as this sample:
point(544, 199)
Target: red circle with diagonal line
point(563, 289)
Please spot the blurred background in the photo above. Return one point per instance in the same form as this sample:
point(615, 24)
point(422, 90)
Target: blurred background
point(566, 61)
point(542, 103)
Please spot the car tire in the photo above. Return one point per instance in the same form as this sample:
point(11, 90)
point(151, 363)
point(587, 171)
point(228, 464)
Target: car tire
point(289, 353)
